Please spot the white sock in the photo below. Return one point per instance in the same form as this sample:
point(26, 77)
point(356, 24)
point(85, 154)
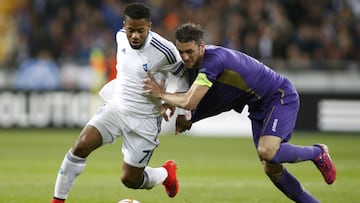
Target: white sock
point(153, 177)
point(71, 167)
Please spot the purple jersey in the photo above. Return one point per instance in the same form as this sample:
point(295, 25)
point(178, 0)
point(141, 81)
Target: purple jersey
point(238, 80)
point(241, 71)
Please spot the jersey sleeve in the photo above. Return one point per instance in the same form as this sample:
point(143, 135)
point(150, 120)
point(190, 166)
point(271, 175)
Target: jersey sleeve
point(212, 66)
point(183, 82)
point(174, 62)
point(177, 68)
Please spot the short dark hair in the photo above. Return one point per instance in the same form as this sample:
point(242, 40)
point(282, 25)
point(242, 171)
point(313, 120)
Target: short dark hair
point(189, 32)
point(137, 11)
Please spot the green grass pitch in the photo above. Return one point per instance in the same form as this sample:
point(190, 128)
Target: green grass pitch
point(210, 170)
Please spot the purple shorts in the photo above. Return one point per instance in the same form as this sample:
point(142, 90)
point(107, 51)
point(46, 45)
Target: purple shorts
point(279, 114)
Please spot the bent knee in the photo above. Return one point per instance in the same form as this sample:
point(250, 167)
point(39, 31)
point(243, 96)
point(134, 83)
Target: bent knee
point(266, 153)
point(268, 146)
point(81, 150)
point(88, 141)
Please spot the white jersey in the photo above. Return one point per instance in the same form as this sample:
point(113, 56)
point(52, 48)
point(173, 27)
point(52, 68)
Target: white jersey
point(158, 55)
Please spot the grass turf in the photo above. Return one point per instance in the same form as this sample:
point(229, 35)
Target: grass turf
point(209, 169)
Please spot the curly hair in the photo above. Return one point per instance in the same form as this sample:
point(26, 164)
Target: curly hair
point(189, 32)
point(137, 11)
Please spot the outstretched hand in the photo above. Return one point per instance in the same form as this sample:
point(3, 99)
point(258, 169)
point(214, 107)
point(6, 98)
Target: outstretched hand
point(152, 87)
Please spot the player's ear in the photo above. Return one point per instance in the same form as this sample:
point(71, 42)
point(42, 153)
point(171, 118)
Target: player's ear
point(202, 48)
point(149, 25)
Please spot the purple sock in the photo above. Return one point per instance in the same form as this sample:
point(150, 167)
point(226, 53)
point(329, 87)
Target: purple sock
point(288, 153)
point(292, 188)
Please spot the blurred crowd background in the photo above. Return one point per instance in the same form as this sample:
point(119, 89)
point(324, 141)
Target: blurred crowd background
point(70, 44)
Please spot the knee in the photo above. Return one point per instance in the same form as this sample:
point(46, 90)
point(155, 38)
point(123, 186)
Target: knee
point(267, 147)
point(80, 149)
point(266, 153)
point(88, 140)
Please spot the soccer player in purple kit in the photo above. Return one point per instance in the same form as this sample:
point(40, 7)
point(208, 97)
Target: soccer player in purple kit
point(222, 79)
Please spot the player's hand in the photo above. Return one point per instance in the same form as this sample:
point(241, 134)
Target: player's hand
point(164, 111)
point(150, 86)
point(182, 124)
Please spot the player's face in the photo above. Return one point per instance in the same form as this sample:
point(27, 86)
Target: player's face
point(191, 53)
point(137, 31)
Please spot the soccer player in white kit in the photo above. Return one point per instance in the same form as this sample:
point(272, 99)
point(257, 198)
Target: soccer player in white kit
point(128, 112)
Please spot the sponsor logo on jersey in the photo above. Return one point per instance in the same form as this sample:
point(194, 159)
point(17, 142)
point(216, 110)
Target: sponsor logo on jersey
point(274, 125)
point(145, 67)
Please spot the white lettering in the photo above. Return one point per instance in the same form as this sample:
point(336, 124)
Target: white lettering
point(274, 125)
point(6, 109)
point(59, 109)
point(21, 117)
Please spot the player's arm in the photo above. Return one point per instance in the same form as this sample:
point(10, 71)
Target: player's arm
point(188, 100)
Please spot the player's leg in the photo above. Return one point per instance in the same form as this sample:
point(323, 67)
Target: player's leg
point(148, 177)
point(74, 162)
point(272, 149)
point(138, 146)
point(99, 131)
point(287, 183)
point(275, 149)
point(132, 177)
point(279, 176)
point(88, 140)
point(269, 136)
point(142, 178)
point(276, 131)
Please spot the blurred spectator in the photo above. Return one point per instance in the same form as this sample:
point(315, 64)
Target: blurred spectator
point(8, 31)
point(311, 33)
point(76, 24)
point(111, 10)
point(40, 73)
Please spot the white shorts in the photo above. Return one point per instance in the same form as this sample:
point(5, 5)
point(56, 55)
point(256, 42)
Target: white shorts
point(140, 134)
